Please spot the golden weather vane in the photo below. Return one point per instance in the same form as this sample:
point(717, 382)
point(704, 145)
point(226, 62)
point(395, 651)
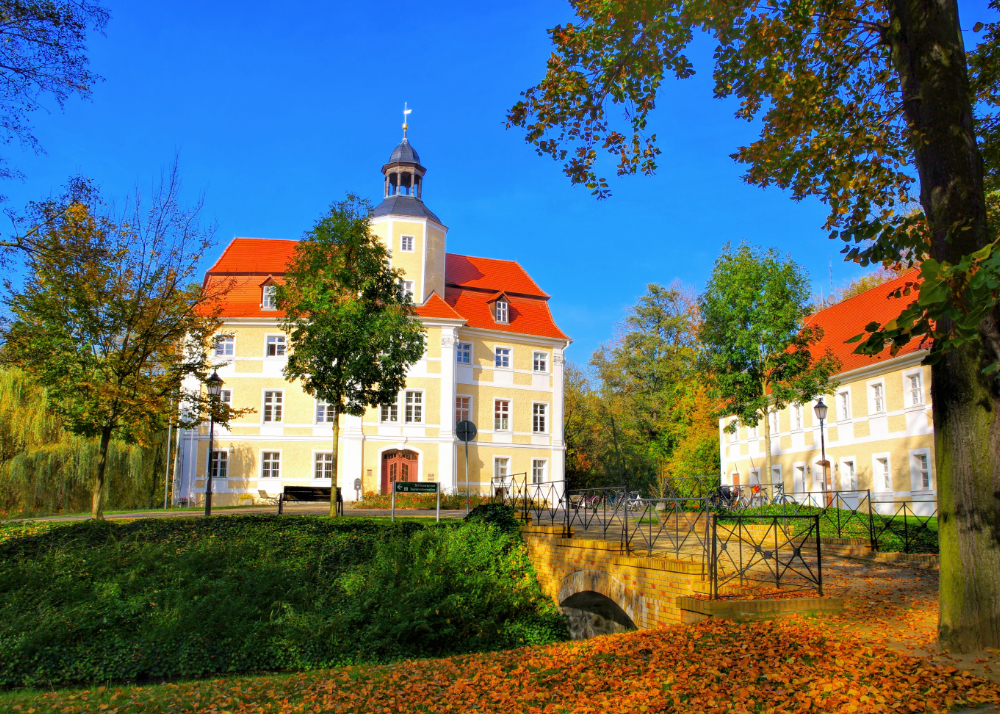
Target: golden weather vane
point(406, 111)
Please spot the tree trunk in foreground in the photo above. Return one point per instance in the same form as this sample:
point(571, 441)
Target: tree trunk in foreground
point(333, 457)
point(97, 503)
point(929, 57)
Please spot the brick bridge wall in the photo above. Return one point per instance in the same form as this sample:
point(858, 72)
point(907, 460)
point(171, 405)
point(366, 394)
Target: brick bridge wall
point(645, 588)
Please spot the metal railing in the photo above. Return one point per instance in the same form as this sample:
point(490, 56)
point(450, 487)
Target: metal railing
point(604, 508)
point(673, 525)
point(910, 524)
point(783, 552)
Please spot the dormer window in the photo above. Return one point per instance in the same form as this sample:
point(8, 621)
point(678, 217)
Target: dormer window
point(502, 311)
point(269, 300)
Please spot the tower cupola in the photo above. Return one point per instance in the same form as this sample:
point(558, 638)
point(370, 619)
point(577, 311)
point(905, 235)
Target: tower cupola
point(403, 184)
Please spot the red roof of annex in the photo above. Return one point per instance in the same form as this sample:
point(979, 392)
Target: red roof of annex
point(470, 284)
point(846, 319)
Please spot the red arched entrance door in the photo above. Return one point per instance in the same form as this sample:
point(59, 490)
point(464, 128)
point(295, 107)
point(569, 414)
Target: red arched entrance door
point(398, 465)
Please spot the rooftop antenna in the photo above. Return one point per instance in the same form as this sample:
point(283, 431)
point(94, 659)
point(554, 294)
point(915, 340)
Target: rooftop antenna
point(406, 112)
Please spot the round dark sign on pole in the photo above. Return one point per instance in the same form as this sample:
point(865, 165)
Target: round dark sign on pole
point(465, 430)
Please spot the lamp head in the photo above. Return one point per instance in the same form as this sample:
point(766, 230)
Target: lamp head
point(214, 384)
point(820, 409)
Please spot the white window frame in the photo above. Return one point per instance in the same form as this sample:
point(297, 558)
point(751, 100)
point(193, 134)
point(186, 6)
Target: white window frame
point(387, 409)
point(510, 357)
point(261, 462)
point(916, 482)
point(506, 475)
point(872, 400)
point(223, 458)
point(775, 418)
point(280, 403)
point(544, 470)
point(316, 461)
point(326, 412)
point(545, 417)
point(843, 412)
point(779, 480)
point(407, 287)
point(502, 311)
point(226, 396)
point(798, 421)
point(469, 411)
point(402, 244)
point(799, 470)
point(283, 343)
point(844, 478)
point(418, 405)
point(544, 362)
point(908, 390)
point(752, 431)
point(268, 300)
point(224, 341)
point(466, 349)
point(509, 416)
point(734, 437)
point(878, 478)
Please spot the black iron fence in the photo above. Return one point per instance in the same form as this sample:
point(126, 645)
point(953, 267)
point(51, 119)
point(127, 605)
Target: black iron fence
point(908, 526)
point(679, 526)
point(764, 554)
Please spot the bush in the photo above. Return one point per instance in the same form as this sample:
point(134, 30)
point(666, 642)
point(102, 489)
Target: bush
point(497, 514)
point(169, 598)
point(449, 501)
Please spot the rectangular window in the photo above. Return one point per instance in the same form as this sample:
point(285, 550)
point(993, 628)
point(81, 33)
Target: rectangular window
point(390, 413)
point(885, 476)
point(538, 470)
point(323, 465)
point(323, 412)
point(541, 361)
point(501, 467)
point(501, 415)
point(463, 408)
point(776, 477)
point(227, 397)
point(752, 431)
point(220, 464)
point(539, 418)
point(269, 300)
point(275, 345)
point(774, 422)
point(463, 355)
point(503, 357)
point(735, 435)
point(845, 405)
point(923, 470)
point(270, 464)
point(272, 406)
point(916, 393)
point(225, 346)
point(850, 476)
point(878, 399)
point(797, 417)
point(503, 311)
point(406, 244)
point(414, 407)
point(407, 287)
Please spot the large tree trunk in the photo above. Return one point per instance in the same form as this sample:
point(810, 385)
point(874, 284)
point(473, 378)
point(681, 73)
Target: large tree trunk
point(97, 503)
point(335, 407)
point(929, 56)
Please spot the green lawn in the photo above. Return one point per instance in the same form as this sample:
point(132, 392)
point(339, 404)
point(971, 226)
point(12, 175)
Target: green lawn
point(155, 598)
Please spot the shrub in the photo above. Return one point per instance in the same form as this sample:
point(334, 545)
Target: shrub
point(171, 598)
point(449, 501)
point(496, 514)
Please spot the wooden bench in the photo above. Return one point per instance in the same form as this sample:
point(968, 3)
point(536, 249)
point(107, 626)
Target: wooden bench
point(309, 494)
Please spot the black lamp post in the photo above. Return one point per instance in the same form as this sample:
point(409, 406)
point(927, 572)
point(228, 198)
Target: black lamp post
point(214, 387)
point(820, 410)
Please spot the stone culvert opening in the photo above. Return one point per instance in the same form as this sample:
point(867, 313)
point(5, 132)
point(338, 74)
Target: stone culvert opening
point(591, 613)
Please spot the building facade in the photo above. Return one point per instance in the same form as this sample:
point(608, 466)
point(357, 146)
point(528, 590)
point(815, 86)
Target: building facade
point(879, 428)
point(494, 356)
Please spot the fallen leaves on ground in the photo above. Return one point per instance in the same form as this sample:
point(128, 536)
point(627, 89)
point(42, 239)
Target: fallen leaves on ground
point(789, 666)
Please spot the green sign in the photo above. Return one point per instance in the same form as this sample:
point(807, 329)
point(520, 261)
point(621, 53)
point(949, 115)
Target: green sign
point(416, 486)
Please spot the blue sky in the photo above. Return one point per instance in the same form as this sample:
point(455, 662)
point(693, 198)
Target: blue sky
point(276, 113)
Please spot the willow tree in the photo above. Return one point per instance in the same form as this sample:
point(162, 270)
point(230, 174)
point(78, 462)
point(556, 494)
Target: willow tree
point(757, 350)
point(866, 105)
point(352, 327)
point(107, 319)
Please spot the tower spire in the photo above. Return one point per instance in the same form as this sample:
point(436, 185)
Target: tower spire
point(406, 111)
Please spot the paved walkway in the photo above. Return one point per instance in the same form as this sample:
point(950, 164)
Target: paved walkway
point(294, 509)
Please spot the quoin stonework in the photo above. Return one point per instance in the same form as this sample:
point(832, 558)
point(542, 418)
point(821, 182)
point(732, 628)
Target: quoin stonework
point(494, 356)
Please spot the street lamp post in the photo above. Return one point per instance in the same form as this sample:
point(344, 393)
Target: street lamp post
point(820, 410)
point(214, 386)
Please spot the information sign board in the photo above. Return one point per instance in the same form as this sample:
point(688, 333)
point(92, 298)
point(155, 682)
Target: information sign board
point(415, 486)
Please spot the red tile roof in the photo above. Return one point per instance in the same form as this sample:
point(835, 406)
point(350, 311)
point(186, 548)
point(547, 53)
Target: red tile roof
point(848, 318)
point(470, 283)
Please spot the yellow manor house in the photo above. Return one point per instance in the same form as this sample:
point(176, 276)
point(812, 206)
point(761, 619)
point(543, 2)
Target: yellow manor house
point(879, 427)
point(494, 356)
